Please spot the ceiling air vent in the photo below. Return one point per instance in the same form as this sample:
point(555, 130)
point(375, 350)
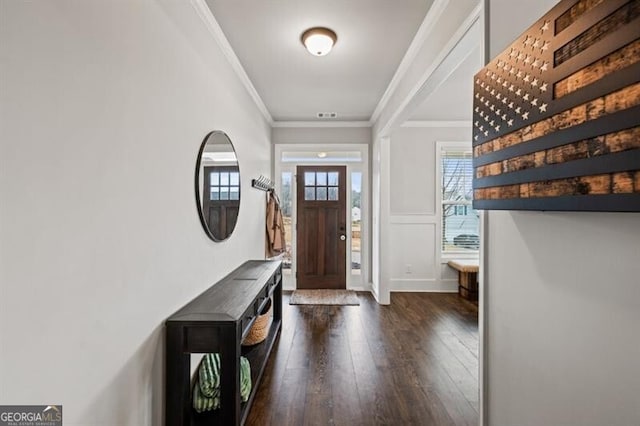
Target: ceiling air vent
point(326, 115)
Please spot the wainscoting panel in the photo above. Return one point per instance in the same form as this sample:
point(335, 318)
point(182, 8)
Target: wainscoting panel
point(415, 258)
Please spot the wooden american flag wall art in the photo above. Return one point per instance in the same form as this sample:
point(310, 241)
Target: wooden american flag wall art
point(556, 121)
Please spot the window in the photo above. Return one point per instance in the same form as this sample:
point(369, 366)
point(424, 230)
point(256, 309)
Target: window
point(224, 184)
point(321, 186)
point(460, 222)
point(356, 222)
point(286, 207)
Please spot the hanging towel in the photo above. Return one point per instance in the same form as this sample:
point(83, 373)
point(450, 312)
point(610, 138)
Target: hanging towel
point(275, 227)
point(206, 390)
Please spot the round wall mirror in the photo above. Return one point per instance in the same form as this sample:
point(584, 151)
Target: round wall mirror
point(218, 185)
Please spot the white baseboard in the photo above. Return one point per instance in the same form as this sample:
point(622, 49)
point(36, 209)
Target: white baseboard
point(424, 285)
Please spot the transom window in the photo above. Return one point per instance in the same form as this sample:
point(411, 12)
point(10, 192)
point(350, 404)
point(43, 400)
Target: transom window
point(321, 186)
point(224, 185)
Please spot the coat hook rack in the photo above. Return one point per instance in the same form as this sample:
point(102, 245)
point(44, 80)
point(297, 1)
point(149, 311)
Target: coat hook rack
point(263, 183)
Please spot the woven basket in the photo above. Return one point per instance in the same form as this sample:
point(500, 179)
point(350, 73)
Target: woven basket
point(260, 327)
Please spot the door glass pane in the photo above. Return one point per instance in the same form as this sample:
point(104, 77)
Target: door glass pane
point(224, 193)
point(309, 193)
point(322, 193)
point(285, 206)
point(333, 193)
point(321, 178)
point(356, 221)
point(309, 178)
point(234, 178)
point(215, 193)
point(333, 178)
point(234, 193)
point(214, 178)
point(224, 178)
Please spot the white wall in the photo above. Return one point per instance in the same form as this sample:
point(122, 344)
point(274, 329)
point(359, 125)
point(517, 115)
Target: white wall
point(562, 292)
point(103, 108)
point(321, 135)
point(413, 259)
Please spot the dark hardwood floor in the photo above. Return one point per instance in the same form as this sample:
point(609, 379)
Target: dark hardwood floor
point(414, 362)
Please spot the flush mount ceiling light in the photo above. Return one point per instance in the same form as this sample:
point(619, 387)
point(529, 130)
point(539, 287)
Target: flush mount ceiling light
point(319, 40)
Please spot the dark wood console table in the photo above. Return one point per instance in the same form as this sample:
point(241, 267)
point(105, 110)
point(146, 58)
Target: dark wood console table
point(217, 321)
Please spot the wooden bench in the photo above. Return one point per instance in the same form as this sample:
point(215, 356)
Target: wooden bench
point(467, 277)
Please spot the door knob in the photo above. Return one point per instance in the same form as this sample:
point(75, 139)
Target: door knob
point(342, 238)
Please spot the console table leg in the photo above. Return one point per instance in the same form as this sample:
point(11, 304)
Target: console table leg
point(177, 382)
point(230, 375)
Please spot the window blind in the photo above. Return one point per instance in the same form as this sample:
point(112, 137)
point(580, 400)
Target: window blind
point(460, 223)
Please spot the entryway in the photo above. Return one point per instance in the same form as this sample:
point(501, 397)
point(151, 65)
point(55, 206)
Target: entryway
point(324, 197)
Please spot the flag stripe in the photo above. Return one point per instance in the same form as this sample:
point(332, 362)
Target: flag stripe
point(606, 202)
point(617, 162)
point(620, 59)
point(574, 12)
point(602, 184)
point(586, 148)
point(622, 84)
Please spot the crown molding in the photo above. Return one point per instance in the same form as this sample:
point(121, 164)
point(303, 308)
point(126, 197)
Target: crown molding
point(214, 28)
point(437, 123)
point(435, 11)
point(320, 124)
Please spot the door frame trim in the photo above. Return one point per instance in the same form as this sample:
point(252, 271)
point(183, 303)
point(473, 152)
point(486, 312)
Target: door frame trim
point(353, 283)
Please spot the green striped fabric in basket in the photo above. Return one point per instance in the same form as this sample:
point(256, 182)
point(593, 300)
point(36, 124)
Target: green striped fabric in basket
point(206, 390)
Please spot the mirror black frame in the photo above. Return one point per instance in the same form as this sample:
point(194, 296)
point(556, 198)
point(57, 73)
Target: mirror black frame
point(199, 201)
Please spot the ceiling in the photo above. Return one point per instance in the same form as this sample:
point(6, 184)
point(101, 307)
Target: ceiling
point(373, 37)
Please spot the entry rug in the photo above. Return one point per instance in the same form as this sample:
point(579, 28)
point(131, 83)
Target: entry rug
point(324, 297)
